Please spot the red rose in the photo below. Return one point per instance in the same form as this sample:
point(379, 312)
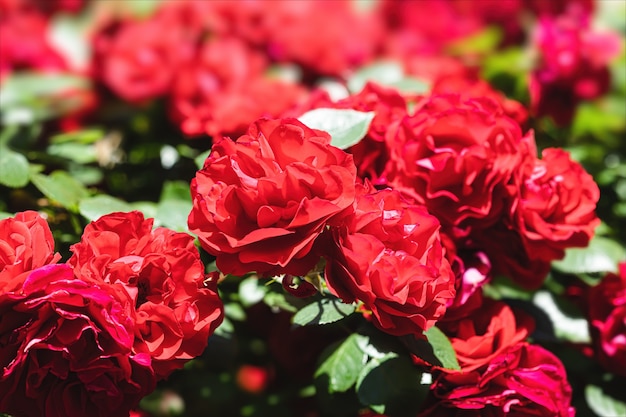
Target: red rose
point(607, 320)
point(225, 90)
point(261, 202)
point(24, 43)
point(524, 381)
point(26, 243)
point(557, 205)
point(294, 36)
point(390, 258)
point(66, 349)
point(457, 156)
point(554, 209)
point(162, 274)
point(138, 60)
point(487, 333)
point(573, 64)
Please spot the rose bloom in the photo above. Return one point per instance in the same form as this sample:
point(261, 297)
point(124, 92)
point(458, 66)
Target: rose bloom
point(26, 243)
point(66, 349)
point(607, 320)
point(457, 156)
point(350, 37)
point(224, 89)
point(260, 202)
point(554, 209)
point(389, 257)
point(557, 205)
point(573, 64)
point(487, 333)
point(163, 277)
point(138, 60)
point(24, 42)
point(526, 380)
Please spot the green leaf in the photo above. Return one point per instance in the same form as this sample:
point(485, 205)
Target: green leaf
point(84, 136)
point(442, 348)
point(199, 160)
point(486, 40)
point(77, 152)
point(27, 97)
point(61, 187)
point(602, 404)
point(14, 170)
point(93, 208)
point(173, 214)
point(251, 291)
point(175, 190)
point(602, 255)
point(342, 364)
point(391, 385)
point(324, 311)
point(568, 323)
point(382, 72)
point(346, 127)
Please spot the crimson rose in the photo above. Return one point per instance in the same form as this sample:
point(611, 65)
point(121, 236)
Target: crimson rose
point(260, 202)
point(176, 310)
point(389, 256)
point(456, 156)
point(26, 243)
point(607, 319)
point(524, 381)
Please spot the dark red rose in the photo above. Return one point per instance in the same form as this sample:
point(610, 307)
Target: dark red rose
point(26, 243)
point(472, 270)
point(161, 272)
point(607, 320)
point(261, 202)
point(66, 349)
point(524, 381)
point(573, 64)
point(456, 156)
point(390, 258)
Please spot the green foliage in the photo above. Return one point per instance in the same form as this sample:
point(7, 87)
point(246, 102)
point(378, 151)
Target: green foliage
point(442, 348)
point(323, 311)
point(389, 74)
point(29, 97)
point(61, 188)
point(391, 385)
point(346, 127)
point(342, 364)
point(603, 404)
point(602, 255)
point(14, 170)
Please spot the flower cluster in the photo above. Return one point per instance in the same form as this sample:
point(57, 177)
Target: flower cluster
point(277, 199)
point(94, 335)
